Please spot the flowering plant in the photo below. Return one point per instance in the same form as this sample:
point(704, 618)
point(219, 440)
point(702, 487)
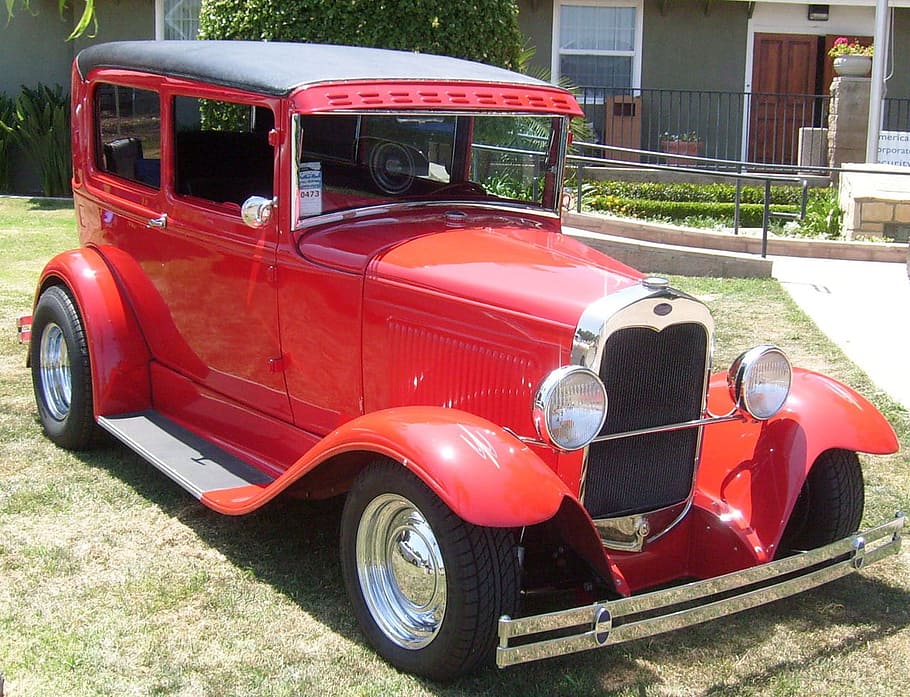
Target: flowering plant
point(844, 47)
point(687, 137)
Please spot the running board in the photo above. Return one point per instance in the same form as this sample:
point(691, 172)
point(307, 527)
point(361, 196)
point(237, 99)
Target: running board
point(196, 464)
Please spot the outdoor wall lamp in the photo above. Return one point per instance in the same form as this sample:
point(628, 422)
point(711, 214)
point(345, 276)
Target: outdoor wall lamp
point(818, 13)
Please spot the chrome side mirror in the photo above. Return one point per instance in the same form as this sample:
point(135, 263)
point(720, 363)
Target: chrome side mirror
point(256, 211)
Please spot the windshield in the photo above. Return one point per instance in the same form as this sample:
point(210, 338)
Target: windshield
point(354, 160)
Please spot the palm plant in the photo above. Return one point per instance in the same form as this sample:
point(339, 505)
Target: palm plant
point(42, 132)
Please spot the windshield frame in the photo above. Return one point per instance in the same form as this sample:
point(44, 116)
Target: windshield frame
point(307, 181)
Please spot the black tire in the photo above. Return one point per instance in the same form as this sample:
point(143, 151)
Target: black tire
point(830, 504)
point(480, 581)
point(61, 371)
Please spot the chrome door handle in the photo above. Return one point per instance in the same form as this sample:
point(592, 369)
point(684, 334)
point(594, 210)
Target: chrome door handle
point(159, 222)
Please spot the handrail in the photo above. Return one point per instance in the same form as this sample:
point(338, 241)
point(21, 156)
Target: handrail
point(801, 177)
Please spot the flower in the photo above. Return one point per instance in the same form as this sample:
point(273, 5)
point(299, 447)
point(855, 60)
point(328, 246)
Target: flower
point(687, 137)
point(844, 47)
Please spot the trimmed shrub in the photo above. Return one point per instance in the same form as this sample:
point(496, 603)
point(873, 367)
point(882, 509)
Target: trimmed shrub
point(750, 213)
point(708, 193)
point(483, 30)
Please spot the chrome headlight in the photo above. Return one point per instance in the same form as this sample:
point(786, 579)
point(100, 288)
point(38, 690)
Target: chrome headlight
point(759, 381)
point(570, 407)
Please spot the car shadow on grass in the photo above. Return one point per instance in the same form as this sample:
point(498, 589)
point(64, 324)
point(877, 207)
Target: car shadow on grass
point(50, 204)
point(292, 545)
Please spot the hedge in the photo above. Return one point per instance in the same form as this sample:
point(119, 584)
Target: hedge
point(481, 30)
point(751, 214)
point(708, 193)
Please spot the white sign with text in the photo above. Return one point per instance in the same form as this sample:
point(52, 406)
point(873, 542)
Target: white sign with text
point(894, 148)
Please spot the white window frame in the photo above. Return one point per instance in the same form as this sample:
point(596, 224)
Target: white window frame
point(160, 13)
point(635, 53)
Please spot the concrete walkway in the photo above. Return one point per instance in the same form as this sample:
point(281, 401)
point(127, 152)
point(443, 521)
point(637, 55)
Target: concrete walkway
point(864, 307)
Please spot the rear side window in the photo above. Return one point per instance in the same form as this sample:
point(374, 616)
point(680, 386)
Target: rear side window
point(221, 150)
point(128, 133)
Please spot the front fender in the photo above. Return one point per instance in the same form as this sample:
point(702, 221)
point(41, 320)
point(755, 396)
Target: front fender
point(751, 473)
point(485, 475)
point(117, 350)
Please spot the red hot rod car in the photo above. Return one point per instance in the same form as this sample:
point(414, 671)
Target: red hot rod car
point(329, 270)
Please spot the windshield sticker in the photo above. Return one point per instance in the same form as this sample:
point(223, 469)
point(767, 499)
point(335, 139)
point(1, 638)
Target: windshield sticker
point(310, 189)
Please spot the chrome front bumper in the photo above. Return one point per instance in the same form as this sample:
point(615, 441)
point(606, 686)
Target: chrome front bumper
point(636, 617)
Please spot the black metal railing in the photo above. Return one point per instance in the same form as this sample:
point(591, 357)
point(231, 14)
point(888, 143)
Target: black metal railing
point(896, 114)
point(761, 128)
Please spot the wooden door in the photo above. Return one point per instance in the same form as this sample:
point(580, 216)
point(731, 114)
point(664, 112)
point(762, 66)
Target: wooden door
point(784, 74)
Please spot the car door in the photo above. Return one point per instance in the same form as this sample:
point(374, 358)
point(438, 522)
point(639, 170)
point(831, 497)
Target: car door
point(204, 281)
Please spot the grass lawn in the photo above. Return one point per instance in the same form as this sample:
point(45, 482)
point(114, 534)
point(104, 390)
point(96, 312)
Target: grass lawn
point(113, 581)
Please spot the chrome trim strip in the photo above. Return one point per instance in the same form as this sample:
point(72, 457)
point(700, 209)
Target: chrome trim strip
point(490, 205)
point(600, 624)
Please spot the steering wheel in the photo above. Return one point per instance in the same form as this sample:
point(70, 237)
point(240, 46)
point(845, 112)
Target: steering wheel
point(467, 187)
point(392, 167)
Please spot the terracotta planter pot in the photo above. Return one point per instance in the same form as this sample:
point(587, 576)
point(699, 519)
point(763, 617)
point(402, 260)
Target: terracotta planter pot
point(853, 66)
point(692, 148)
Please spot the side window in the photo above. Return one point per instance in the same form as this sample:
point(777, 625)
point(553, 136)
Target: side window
point(221, 150)
point(128, 133)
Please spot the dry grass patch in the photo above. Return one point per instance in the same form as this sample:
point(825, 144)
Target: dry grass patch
point(115, 582)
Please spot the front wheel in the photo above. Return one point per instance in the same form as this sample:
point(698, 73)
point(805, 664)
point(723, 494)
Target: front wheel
point(427, 588)
point(61, 372)
point(829, 506)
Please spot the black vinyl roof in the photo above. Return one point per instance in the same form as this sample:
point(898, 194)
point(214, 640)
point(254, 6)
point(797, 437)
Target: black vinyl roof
point(279, 68)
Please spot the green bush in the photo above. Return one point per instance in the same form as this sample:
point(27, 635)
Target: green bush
point(482, 30)
point(41, 129)
point(707, 193)
point(823, 218)
point(751, 214)
point(38, 124)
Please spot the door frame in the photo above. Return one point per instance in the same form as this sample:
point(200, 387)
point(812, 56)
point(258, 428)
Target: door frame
point(786, 18)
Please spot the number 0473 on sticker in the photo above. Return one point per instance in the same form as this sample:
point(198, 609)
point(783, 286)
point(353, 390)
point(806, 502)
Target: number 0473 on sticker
point(310, 188)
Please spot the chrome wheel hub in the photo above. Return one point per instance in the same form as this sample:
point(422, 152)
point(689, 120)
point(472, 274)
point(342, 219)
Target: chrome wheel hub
point(401, 572)
point(56, 379)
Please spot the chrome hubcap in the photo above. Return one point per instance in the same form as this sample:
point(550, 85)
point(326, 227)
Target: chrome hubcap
point(54, 364)
point(401, 572)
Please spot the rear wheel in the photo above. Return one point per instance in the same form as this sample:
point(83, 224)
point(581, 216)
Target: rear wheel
point(61, 372)
point(427, 588)
point(830, 504)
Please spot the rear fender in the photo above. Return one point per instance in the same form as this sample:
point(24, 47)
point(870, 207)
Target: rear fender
point(117, 349)
point(483, 474)
point(751, 473)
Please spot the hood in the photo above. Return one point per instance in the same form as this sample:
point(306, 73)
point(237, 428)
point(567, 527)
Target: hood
point(530, 271)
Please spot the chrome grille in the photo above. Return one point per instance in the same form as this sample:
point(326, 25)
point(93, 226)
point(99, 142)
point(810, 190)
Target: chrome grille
point(653, 378)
